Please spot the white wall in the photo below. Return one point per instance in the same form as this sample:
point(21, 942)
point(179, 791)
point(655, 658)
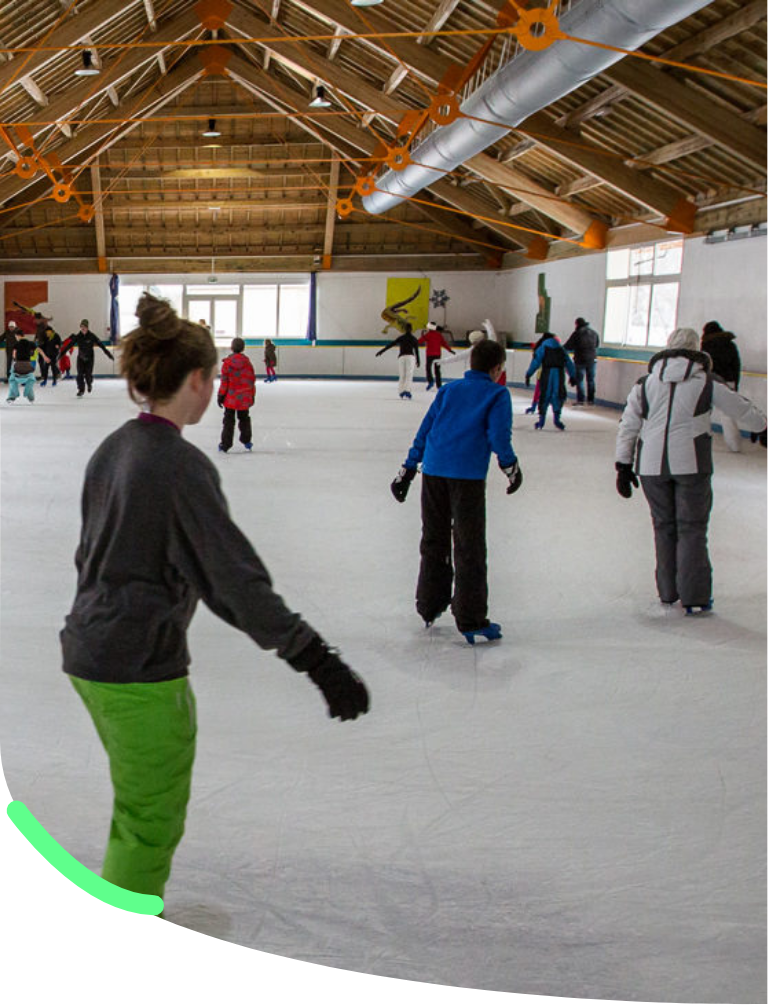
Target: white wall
point(349, 305)
point(71, 298)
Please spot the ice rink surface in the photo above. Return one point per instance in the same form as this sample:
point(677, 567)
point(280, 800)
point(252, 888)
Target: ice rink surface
point(577, 810)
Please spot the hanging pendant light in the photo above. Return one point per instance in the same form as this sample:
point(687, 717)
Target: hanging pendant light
point(366, 3)
point(319, 100)
point(87, 69)
point(211, 131)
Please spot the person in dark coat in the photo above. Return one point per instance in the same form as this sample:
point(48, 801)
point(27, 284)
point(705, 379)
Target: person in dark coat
point(552, 359)
point(583, 343)
point(49, 342)
point(720, 346)
point(8, 341)
point(85, 341)
point(237, 392)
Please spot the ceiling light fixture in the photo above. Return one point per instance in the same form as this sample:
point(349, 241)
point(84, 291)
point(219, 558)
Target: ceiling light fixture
point(319, 100)
point(87, 69)
point(366, 3)
point(211, 131)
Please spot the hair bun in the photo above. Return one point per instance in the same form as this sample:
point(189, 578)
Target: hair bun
point(157, 317)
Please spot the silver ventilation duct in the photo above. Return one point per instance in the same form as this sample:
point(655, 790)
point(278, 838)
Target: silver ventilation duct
point(529, 82)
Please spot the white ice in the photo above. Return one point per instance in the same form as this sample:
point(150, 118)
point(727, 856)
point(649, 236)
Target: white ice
point(577, 810)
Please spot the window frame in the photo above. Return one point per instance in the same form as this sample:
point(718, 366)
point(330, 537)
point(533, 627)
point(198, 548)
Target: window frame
point(634, 282)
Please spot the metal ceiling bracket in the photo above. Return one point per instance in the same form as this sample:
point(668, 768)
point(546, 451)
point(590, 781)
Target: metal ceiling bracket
point(344, 207)
point(398, 158)
point(365, 184)
point(538, 28)
point(444, 109)
point(213, 14)
point(214, 59)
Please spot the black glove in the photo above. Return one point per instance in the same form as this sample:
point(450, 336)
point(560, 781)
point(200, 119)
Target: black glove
point(110, 355)
point(572, 381)
point(625, 479)
point(220, 400)
point(515, 476)
point(527, 380)
point(762, 437)
point(344, 692)
point(402, 483)
point(379, 352)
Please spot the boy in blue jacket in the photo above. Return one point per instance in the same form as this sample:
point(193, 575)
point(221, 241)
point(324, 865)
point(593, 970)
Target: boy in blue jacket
point(469, 419)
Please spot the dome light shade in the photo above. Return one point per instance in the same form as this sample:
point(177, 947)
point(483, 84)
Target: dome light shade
point(319, 100)
point(211, 131)
point(87, 69)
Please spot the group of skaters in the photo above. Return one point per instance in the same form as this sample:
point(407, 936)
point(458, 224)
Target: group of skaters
point(664, 444)
point(46, 348)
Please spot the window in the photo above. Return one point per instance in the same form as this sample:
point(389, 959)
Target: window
point(642, 290)
point(261, 310)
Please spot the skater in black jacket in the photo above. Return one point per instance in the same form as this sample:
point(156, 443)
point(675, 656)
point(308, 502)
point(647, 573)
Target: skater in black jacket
point(85, 341)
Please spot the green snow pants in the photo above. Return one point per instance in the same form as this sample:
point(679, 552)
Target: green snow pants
point(148, 732)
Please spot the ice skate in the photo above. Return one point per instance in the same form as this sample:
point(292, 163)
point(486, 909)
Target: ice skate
point(559, 424)
point(222, 449)
point(491, 631)
point(530, 410)
point(248, 446)
point(700, 608)
point(539, 424)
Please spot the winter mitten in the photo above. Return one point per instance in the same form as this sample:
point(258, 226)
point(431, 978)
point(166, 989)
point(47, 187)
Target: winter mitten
point(344, 692)
point(625, 479)
point(762, 437)
point(515, 476)
point(220, 400)
point(402, 483)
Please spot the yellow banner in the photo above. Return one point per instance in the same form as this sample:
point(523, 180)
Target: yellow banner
point(408, 300)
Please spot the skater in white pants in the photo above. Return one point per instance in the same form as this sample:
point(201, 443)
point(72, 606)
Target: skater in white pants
point(408, 357)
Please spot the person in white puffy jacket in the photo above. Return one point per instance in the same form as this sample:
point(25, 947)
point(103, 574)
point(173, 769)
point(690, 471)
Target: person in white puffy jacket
point(665, 437)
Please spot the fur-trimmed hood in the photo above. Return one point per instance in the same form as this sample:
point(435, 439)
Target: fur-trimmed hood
point(676, 372)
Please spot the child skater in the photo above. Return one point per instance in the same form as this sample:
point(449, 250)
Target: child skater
point(22, 373)
point(156, 538)
point(533, 407)
point(85, 340)
point(434, 340)
point(270, 360)
point(236, 395)
point(468, 419)
point(553, 361)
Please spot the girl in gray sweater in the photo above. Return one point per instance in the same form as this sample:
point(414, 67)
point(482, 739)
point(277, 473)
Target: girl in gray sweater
point(156, 538)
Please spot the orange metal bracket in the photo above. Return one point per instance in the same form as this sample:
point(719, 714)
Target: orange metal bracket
point(214, 58)
point(213, 14)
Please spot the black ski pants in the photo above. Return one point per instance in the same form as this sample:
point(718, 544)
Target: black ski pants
point(433, 367)
point(453, 544)
point(84, 372)
point(44, 367)
point(228, 426)
point(680, 507)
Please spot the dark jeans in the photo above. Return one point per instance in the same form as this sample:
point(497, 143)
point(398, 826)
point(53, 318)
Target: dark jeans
point(53, 367)
point(453, 514)
point(228, 427)
point(680, 506)
point(585, 370)
point(434, 361)
point(84, 373)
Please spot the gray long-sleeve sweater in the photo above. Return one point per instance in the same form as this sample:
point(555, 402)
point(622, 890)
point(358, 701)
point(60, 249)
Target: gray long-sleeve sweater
point(156, 538)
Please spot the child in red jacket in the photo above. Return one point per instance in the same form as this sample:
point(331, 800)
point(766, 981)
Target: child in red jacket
point(237, 392)
point(432, 337)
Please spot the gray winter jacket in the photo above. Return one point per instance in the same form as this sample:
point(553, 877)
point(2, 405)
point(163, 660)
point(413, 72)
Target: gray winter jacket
point(668, 416)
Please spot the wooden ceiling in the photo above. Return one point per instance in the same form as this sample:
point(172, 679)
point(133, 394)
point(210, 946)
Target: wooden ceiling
point(124, 180)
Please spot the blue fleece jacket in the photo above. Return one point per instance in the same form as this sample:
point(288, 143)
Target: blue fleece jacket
point(468, 419)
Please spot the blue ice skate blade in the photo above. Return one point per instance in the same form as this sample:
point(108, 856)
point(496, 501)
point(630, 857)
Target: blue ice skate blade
point(491, 632)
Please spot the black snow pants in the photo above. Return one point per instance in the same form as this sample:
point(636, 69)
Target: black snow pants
point(228, 426)
point(680, 507)
point(453, 544)
point(433, 365)
point(84, 372)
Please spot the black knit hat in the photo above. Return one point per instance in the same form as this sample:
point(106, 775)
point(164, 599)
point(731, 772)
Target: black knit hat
point(712, 327)
point(580, 322)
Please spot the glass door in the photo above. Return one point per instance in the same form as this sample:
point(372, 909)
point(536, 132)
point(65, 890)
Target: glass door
point(221, 313)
